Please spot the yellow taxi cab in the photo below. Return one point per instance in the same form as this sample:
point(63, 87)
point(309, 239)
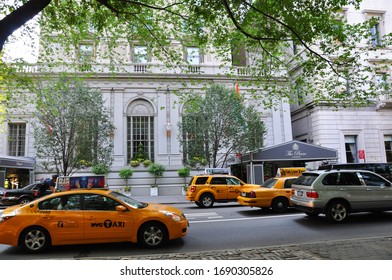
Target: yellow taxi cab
point(86, 216)
point(206, 189)
point(274, 193)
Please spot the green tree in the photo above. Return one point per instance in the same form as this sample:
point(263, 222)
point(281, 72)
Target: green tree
point(156, 170)
point(270, 30)
point(126, 173)
point(219, 124)
point(72, 128)
point(184, 172)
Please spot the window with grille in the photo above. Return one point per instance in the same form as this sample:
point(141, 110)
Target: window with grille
point(140, 131)
point(16, 139)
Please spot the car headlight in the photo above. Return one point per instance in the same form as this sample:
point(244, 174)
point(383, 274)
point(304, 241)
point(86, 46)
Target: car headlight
point(5, 217)
point(175, 217)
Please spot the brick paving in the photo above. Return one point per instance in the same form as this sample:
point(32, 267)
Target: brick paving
point(378, 248)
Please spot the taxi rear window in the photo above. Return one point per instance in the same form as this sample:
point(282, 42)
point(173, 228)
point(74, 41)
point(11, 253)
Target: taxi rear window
point(199, 180)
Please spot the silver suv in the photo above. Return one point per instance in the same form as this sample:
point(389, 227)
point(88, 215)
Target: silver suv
point(336, 193)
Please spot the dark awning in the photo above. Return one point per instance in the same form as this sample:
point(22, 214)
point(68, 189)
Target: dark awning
point(17, 162)
point(291, 151)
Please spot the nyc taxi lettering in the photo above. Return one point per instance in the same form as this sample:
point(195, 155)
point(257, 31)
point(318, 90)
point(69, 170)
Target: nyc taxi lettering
point(108, 224)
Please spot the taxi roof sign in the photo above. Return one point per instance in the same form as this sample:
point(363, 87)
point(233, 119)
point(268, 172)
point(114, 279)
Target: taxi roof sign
point(290, 171)
point(66, 183)
point(211, 171)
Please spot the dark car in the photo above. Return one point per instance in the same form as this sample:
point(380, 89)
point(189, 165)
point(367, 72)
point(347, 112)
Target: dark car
point(2, 191)
point(21, 196)
point(383, 169)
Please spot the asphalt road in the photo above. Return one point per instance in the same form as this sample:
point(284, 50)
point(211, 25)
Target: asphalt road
point(229, 226)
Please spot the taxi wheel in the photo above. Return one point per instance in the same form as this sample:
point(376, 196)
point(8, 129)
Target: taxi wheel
point(206, 200)
point(34, 239)
point(279, 205)
point(153, 235)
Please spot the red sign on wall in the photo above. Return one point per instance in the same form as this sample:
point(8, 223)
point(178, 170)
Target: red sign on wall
point(361, 154)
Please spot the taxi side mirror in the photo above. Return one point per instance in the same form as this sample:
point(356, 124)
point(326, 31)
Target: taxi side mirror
point(121, 208)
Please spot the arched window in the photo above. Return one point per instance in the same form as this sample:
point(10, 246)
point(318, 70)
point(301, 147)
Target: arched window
point(140, 130)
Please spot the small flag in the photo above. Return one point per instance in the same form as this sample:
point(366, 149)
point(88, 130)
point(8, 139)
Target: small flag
point(237, 89)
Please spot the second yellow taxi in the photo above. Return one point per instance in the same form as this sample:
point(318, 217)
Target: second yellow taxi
point(274, 193)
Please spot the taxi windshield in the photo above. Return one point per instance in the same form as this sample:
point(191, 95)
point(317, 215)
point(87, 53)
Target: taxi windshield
point(130, 201)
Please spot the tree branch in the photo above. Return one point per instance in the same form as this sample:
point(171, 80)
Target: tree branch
point(19, 17)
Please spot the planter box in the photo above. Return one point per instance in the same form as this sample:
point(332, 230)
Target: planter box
point(153, 191)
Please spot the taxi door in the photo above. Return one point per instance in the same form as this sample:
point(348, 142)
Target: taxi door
point(218, 186)
point(66, 224)
point(102, 222)
point(233, 188)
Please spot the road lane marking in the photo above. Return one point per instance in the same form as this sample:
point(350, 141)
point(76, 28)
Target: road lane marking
point(244, 219)
point(207, 215)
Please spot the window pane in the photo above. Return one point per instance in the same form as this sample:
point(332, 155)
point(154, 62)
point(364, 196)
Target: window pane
point(140, 55)
point(388, 147)
point(193, 55)
point(375, 31)
point(351, 149)
point(17, 139)
point(85, 53)
point(141, 137)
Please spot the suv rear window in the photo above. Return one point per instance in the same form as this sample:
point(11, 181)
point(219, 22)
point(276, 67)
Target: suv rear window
point(341, 178)
point(306, 179)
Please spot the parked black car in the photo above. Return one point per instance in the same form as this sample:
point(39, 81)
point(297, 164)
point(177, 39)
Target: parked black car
point(20, 196)
point(2, 190)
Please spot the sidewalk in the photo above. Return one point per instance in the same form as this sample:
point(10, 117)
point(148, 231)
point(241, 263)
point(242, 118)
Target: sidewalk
point(377, 248)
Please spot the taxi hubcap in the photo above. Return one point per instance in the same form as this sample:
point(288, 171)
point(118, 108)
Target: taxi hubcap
point(207, 201)
point(153, 236)
point(35, 240)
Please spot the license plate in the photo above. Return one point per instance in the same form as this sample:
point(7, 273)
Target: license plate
point(299, 193)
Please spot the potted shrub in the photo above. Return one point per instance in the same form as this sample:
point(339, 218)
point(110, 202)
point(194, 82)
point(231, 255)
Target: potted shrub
point(184, 173)
point(147, 162)
point(134, 163)
point(156, 170)
point(100, 169)
point(126, 173)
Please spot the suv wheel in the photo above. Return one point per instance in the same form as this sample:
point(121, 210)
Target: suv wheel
point(337, 211)
point(206, 200)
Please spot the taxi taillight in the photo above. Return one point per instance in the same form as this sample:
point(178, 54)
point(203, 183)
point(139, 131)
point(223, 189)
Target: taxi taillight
point(252, 194)
point(192, 189)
